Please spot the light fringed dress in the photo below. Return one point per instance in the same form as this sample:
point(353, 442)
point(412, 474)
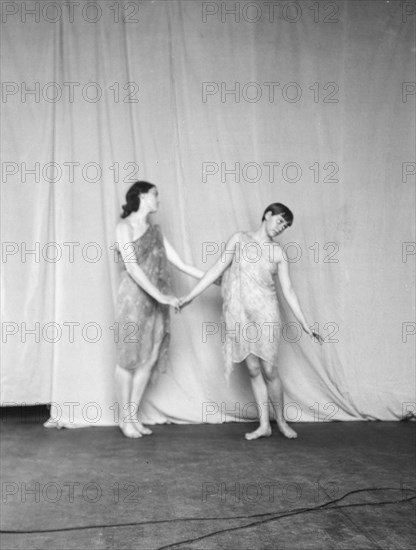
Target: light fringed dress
point(251, 317)
point(143, 323)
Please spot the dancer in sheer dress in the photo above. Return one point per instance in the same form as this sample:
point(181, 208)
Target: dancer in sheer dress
point(251, 310)
point(143, 302)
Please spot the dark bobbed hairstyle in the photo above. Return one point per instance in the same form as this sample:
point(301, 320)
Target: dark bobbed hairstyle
point(279, 208)
point(133, 197)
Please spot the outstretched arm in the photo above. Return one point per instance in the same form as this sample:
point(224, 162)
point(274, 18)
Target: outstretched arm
point(124, 241)
point(177, 261)
point(290, 295)
point(214, 272)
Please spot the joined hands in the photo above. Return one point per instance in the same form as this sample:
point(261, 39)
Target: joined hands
point(184, 301)
point(171, 301)
point(176, 303)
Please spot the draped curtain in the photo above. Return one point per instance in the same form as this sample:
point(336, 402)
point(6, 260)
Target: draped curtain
point(227, 107)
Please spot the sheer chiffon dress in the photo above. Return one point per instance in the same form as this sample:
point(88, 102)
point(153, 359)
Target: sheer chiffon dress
point(143, 323)
point(250, 314)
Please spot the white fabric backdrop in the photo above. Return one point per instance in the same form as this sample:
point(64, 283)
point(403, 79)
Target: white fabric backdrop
point(168, 50)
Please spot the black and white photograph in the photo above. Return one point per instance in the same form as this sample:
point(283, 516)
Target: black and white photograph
point(208, 250)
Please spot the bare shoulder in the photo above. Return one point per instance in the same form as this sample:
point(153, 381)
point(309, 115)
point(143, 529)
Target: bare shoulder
point(233, 240)
point(235, 237)
point(123, 230)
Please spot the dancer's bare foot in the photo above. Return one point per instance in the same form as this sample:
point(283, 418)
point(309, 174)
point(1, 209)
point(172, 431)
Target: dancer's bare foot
point(286, 430)
point(129, 430)
point(260, 432)
point(142, 429)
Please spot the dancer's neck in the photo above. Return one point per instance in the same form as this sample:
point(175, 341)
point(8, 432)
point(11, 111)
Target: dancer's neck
point(139, 219)
point(261, 234)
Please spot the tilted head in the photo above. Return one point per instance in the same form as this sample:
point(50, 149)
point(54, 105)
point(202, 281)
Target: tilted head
point(277, 217)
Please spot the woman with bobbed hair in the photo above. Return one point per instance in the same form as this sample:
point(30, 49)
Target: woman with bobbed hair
point(248, 264)
point(143, 302)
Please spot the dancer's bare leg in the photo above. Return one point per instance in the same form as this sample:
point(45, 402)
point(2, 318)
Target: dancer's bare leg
point(141, 378)
point(124, 382)
point(260, 395)
point(275, 390)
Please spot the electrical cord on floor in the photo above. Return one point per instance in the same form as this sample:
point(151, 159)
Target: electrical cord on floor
point(266, 517)
point(292, 513)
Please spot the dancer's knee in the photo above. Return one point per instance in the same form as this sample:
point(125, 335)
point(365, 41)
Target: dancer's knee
point(271, 374)
point(254, 372)
point(254, 368)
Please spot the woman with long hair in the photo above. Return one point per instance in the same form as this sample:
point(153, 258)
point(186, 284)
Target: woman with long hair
point(248, 264)
point(143, 302)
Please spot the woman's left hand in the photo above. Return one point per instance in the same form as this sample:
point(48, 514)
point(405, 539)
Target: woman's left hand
point(316, 337)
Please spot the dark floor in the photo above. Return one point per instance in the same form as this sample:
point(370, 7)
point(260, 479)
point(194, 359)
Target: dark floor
point(204, 487)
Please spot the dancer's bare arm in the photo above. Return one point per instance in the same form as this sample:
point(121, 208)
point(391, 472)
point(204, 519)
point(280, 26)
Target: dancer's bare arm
point(177, 261)
point(125, 246)
point(214, 272)
point(290, 294)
